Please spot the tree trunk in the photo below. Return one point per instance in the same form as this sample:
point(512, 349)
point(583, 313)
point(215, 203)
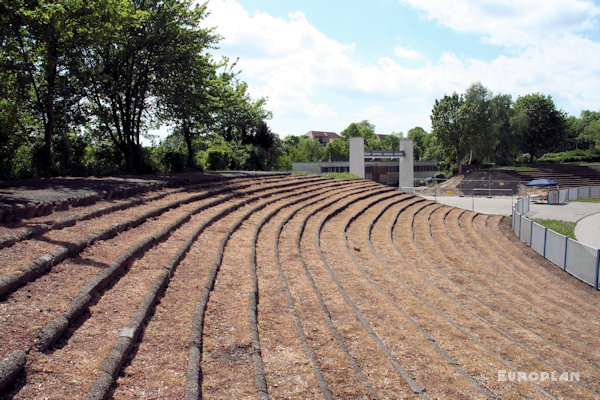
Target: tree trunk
point(188, 142)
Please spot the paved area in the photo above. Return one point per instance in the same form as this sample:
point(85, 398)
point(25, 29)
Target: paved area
point(587, 215)
point(587, 230)
point(500, 205)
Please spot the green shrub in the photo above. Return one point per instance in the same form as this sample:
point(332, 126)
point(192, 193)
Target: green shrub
point(589, 155)
point(174, 161)
point(216, 159)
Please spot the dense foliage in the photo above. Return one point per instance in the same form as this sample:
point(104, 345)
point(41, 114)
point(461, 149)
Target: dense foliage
point(83, 82)
point(480, 127)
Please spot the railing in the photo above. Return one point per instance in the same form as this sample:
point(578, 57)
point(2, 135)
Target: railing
point(578, 259)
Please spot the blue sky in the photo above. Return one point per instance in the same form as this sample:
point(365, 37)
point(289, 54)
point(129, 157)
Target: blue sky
point(324, 64)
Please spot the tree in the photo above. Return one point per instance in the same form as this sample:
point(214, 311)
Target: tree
point(476, 114)
point(364, 129)
point(588, 128)
point(433, 149)
point(502, 140)
point(133, 60)
point(447, 122)
point(338, 150)
point(418, 136)
point(187, 94)
point(309, 150)
point(592, 132)
point(41, 40)
point(236, 113)
point(390, 142)
point(539, 125)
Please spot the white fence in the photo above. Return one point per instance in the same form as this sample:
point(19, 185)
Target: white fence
point(578, 259)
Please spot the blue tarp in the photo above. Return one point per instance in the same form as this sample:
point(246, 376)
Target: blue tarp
point(542, 182)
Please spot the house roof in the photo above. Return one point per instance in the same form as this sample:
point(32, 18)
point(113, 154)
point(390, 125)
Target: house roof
point(331, 135)
point(381, 137)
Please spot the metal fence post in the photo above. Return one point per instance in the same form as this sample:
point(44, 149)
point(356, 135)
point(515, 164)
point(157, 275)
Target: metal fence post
point(545, 240)
point(597, 268)
point(520, 225)
point(566, 249)
point(531, 233)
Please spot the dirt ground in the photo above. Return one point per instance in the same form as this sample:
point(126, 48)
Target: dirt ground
point(279, 286)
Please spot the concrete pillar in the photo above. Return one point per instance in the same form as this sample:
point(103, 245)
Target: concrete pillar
point(357, 156)
point(406, 176)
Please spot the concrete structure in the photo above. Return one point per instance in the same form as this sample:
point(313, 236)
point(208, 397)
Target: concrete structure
point(357, 156)
point(374, 172)
point(406, 176)
point(385, 172)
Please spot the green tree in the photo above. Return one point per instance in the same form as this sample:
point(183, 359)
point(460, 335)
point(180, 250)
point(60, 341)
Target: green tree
point(447, 122)
point(237, 115)
point(476, 114)
point(390, 142)
point(539, 125)
point(592, 132)
point(586, 129)
point(502, 140)
point(309, 150)
point(338, 150)
point(134, 59)
point(433, 149)
point(41, 44)
point(418, 135)
point(364, 129)
point(187, 95)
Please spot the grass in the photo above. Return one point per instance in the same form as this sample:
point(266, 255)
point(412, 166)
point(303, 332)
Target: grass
point(333, 175)
point(341, 175)
point(590, 200)
point(514, 168)
point(565, 228)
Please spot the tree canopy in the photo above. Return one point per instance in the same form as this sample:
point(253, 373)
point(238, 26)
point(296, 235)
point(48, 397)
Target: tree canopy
point(538, 124)
point(84, 81)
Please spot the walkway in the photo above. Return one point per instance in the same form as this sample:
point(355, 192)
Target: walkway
point(587, 215)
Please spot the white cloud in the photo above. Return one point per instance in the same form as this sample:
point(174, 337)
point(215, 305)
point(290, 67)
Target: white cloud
point(408, 54)
point(511, 22)
point(315, 82)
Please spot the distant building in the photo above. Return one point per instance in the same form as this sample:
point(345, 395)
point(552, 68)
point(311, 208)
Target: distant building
point(381, 137)
point(385, 172)
point(323, 137)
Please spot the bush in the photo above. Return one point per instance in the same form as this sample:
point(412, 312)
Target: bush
point(174, 161)
point(590, 155)
point(216, 159)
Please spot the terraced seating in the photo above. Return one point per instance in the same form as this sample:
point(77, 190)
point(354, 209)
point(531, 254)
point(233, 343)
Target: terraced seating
point(287, 287)
point(567, 176)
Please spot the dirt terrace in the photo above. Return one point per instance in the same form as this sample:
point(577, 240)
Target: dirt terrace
point(286, 287)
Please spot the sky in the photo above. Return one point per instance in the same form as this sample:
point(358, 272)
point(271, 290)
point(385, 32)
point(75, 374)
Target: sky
point(323, 64)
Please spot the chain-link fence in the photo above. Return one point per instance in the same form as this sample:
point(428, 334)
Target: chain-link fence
point(578, 259)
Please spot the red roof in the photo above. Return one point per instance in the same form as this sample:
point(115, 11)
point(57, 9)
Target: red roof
point(330, 135)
